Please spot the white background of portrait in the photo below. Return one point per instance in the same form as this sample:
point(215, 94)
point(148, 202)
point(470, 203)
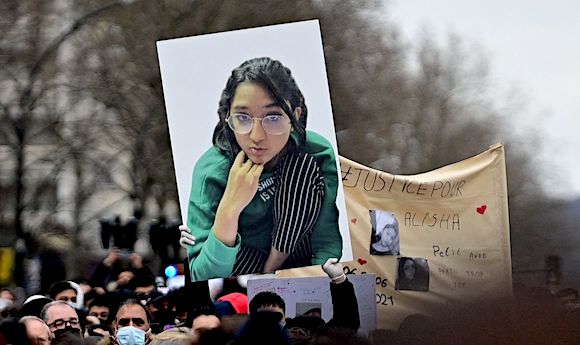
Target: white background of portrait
point(194, 71)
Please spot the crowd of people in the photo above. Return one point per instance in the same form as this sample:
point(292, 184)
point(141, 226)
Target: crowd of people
point(122, 304)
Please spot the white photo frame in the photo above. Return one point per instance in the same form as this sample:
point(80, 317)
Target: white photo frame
point(194, 71)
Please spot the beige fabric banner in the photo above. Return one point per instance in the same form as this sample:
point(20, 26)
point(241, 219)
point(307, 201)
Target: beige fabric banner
point(439, 237)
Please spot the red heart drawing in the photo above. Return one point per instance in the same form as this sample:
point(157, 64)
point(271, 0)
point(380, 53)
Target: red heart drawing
point(362, 261)
point(481, 210)
point(353, 220)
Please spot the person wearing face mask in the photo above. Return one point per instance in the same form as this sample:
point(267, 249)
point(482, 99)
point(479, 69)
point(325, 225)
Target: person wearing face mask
point(131, 325)
point(7, 298)
point(100, 307)
point(63, 291)
point(99, 318)
point(62, 320)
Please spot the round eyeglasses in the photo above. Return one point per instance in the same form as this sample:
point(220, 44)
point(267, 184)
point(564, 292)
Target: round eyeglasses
point(274, 124)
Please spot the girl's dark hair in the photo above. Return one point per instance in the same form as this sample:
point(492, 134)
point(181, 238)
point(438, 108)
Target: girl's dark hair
point(404, 261)
point(278, 81)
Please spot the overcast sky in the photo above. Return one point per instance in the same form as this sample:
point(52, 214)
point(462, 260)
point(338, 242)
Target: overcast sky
point(531, 45)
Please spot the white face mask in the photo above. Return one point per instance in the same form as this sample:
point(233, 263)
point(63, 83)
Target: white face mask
point(130, 335)
point(73, 304)
point(4, 303)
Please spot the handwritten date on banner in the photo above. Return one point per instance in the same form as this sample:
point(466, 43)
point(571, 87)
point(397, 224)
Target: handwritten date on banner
point(381, 298)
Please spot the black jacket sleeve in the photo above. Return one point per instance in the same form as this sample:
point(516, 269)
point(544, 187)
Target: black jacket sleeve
point(344, 306)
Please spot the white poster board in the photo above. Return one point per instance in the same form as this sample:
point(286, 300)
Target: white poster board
point(315, 291)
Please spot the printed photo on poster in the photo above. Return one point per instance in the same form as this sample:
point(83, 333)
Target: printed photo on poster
point(412, 274)
point(384, 233)
point(255, 151)
point(309, 309)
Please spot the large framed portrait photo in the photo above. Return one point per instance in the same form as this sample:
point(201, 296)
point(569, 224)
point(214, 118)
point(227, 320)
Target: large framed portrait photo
point(194, 72)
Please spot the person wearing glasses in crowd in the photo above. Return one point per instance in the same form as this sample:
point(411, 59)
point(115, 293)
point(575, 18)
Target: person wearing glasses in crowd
point(263, 196)
point(62, 320)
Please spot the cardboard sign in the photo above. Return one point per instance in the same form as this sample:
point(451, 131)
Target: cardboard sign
point(453, 234)
point(303, 294)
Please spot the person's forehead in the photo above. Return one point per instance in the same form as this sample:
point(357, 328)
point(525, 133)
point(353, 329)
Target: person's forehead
point(34, 323)
point(206, 318)
point(99, 308)
point(67, 292)
point(60, 311)
point(251, 91)
point(390, 226)
point(36, 327)
point(270, 307)
point(131, 310)
point(6, 294)
point(206, 321)
point(390, 230)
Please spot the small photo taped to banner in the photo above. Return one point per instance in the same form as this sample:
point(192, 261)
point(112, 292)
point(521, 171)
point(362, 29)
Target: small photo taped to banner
point(384, 233)
point(412, 274)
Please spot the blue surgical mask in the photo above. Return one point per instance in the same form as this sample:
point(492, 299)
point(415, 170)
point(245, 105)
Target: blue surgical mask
point(130, 335)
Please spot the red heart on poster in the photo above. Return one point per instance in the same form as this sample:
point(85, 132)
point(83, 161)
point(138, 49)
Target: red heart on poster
point(353, 220)
point(362, 261)
point(481, 209)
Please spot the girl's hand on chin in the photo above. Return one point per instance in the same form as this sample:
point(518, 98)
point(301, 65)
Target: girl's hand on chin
point(242, 183)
